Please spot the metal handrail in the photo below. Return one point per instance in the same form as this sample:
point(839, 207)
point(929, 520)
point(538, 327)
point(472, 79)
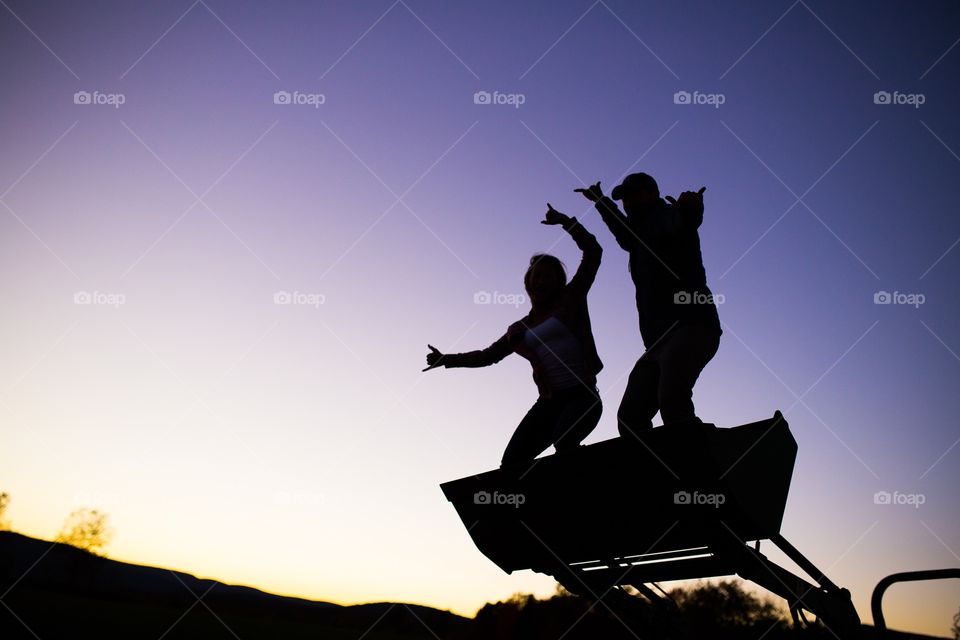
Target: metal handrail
point(876, 601)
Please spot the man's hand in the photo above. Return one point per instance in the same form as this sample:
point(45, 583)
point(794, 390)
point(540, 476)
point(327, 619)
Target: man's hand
point(688, 200)
point(593, 193)
point(434, 358)
point(555, 217)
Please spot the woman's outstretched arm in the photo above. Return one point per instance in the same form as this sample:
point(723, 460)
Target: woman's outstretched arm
point(479, 358)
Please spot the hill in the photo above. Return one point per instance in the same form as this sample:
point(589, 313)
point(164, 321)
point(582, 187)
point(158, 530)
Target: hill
point(51, 590)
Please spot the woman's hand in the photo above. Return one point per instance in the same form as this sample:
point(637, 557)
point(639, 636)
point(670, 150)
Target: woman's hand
point(593, 193)
point(434, 358)
point(554, 217)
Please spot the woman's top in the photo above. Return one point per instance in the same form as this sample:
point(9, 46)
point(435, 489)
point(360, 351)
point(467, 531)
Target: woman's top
point(559, 352)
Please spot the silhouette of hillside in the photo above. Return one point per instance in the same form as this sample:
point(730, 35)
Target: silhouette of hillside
point(58, 591)
point(52, 591)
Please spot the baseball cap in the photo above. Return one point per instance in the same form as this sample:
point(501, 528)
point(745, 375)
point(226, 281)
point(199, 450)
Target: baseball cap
point(634, 182)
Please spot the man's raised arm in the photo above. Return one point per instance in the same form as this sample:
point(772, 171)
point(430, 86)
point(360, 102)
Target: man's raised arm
point(611, 215)
point(687, 210)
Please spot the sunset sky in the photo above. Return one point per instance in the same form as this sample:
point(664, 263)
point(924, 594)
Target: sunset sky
point(230, 229)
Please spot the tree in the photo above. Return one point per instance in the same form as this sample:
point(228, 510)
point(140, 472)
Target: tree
point(726, 605)
point(721, 611)
point(86, 529)
point(956, 625)
point(4, 502)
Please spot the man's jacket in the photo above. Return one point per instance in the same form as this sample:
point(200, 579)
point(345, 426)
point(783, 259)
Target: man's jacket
point(666, 266)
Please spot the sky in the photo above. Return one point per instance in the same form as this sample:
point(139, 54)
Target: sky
point(230, 229)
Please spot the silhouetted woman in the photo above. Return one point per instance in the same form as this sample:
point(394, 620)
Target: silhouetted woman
point(556, 338)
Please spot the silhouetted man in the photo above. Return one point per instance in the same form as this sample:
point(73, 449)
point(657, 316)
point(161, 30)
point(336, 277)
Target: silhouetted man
point(678, 318)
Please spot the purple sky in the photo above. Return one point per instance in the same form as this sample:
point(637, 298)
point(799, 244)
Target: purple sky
point(209, 420)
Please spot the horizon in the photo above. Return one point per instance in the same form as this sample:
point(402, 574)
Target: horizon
point(232, 229)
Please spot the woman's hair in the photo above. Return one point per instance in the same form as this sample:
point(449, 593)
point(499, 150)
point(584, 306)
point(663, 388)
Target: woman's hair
point(549, 261)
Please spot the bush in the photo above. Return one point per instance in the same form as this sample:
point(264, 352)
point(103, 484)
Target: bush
point(86, 529)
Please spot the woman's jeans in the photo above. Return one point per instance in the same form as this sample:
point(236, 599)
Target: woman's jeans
point(563, 420)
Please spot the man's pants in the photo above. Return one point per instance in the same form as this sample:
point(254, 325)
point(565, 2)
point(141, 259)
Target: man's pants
point(663, 379)
point(562, 420)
